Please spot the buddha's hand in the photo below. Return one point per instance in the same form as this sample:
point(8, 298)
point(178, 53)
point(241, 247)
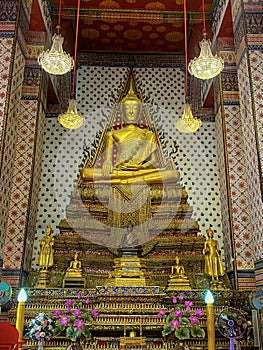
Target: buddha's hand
point(107, 168)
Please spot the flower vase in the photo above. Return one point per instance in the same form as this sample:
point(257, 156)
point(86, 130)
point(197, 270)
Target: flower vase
point(40, 345)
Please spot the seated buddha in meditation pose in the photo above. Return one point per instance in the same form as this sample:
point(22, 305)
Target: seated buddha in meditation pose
point(177, 271)
point(136, 156)
point(74, 269)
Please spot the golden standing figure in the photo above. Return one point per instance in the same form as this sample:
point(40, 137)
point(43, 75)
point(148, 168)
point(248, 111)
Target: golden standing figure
point(213, 263)
point(136, 151)
point(46, 255)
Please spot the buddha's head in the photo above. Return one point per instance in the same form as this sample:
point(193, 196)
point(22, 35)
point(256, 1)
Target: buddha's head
point(49, 230)
point(131, 107)
point(210, 233)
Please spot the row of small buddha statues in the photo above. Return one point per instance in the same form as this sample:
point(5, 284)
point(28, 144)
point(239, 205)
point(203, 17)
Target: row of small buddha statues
point(178, 279)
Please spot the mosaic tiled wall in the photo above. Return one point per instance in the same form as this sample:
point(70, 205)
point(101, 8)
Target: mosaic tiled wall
point(251, 147)
point(164, 92)
point(239, 232)
point(10, 139)
point(223, 181)
point(5, 59)
point(7, 45)
point(21, 161)
point(248, 46)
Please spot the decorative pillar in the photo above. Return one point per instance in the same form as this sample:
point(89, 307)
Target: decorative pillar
point(8, 51)
point(237, 227)
point(22, 149)
point(247, 26)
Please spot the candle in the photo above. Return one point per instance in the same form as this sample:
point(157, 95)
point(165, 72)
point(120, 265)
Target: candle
point(210, 320)
point(140, 326)
point(20, 313)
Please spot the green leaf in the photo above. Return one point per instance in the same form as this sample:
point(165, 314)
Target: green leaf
point(197, 332)
point(184, 320)
point(170, 317)
point(72, 333)
point(182, 333)
point(167, 329)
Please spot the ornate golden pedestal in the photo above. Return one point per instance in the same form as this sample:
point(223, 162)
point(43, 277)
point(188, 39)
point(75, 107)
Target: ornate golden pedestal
point(178, 284)
point(43, 279)
point(216, 285)
point(74, 282)
point(128, 271)
point(133, 342)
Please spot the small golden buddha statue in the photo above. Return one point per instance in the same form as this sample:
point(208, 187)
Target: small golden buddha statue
point(178, 271)
point(74, 269)
point(213, 262)
point(136, 157)
point(46, 254)
point(178, 279)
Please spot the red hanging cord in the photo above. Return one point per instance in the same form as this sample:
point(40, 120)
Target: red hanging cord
point(204, 23)
point(59, 12)
point(75, 51)
point(186, 53)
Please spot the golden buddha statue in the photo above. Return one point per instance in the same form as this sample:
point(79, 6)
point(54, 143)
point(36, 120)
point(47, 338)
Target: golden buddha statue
point(46, 255)
point(74, 269)
point(136, 157)
point(177, 270)
point(213, 263)
point(178, 279)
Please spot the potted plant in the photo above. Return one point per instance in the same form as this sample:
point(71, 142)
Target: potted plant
point(182, 320)
point(74, 319)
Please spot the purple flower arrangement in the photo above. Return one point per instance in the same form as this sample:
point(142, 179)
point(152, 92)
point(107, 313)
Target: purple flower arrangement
point(41, 328)
point(182, 320)
point(73, 321)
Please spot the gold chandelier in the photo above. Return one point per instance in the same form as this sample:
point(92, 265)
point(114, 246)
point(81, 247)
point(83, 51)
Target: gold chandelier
point(187, 123)
point(56, 61)
point(71, 119)
point(206, 66)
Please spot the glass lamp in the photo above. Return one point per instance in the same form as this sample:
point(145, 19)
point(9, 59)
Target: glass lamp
point(188, 123)
point(56, 61)
point(71, 119)
point(206, 66)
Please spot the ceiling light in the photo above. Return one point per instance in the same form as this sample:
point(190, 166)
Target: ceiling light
point(206, 66)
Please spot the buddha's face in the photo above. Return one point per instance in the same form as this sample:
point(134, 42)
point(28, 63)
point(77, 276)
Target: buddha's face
point(131, 112)
point(210, 233)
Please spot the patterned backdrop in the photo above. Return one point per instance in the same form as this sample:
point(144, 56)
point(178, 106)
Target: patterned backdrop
point(194, 154)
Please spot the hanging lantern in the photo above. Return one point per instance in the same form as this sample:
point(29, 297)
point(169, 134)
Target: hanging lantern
point(56, 61)
point(206, 66)
point(187, 123)
point(71, 119)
